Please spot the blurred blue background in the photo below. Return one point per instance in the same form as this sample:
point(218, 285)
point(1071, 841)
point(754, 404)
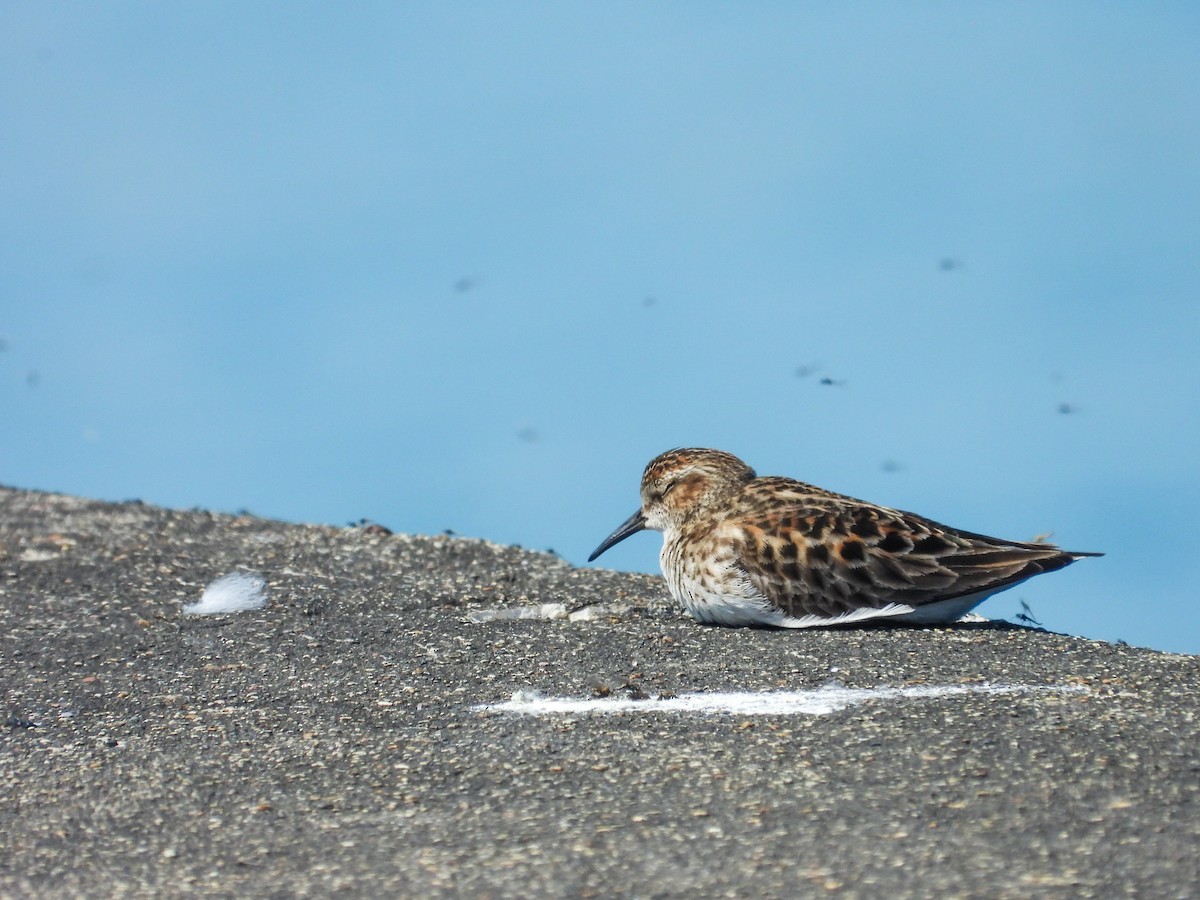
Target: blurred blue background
point(470, 266)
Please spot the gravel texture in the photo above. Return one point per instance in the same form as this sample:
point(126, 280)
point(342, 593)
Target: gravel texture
point(331, 741)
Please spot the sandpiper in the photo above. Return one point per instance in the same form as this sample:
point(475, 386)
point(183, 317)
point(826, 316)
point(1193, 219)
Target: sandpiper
point(739, 549)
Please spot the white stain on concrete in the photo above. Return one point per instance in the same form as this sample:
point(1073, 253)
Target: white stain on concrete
point(32, 555)
point(546, 612)
point(819, 702)
point(541, 611)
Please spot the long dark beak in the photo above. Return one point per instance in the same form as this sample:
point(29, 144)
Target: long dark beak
point(632, 525)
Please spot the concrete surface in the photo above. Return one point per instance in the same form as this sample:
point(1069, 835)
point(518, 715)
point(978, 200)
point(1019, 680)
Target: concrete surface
point(333, 741)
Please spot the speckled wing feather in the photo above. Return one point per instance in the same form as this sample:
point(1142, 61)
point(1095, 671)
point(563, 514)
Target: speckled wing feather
point(822, 555)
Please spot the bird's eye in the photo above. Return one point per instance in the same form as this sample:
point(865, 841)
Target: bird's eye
point(667, 488)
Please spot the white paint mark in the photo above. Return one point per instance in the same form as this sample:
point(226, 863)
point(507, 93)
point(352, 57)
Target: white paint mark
point(598, 611)
point(819, 702)
point(32, 555)
point(544, 611)
point(234, 592)
point(547, 612)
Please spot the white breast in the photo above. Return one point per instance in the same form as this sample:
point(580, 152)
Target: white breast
point(720, 597)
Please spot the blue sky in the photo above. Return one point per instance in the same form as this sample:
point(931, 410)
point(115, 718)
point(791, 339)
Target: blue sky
point(470, 266)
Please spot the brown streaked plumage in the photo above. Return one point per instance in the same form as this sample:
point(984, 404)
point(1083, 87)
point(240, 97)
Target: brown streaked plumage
point(743, 550)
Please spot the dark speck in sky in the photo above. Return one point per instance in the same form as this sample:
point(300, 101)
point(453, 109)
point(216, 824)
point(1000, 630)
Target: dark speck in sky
point(1026, 615)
